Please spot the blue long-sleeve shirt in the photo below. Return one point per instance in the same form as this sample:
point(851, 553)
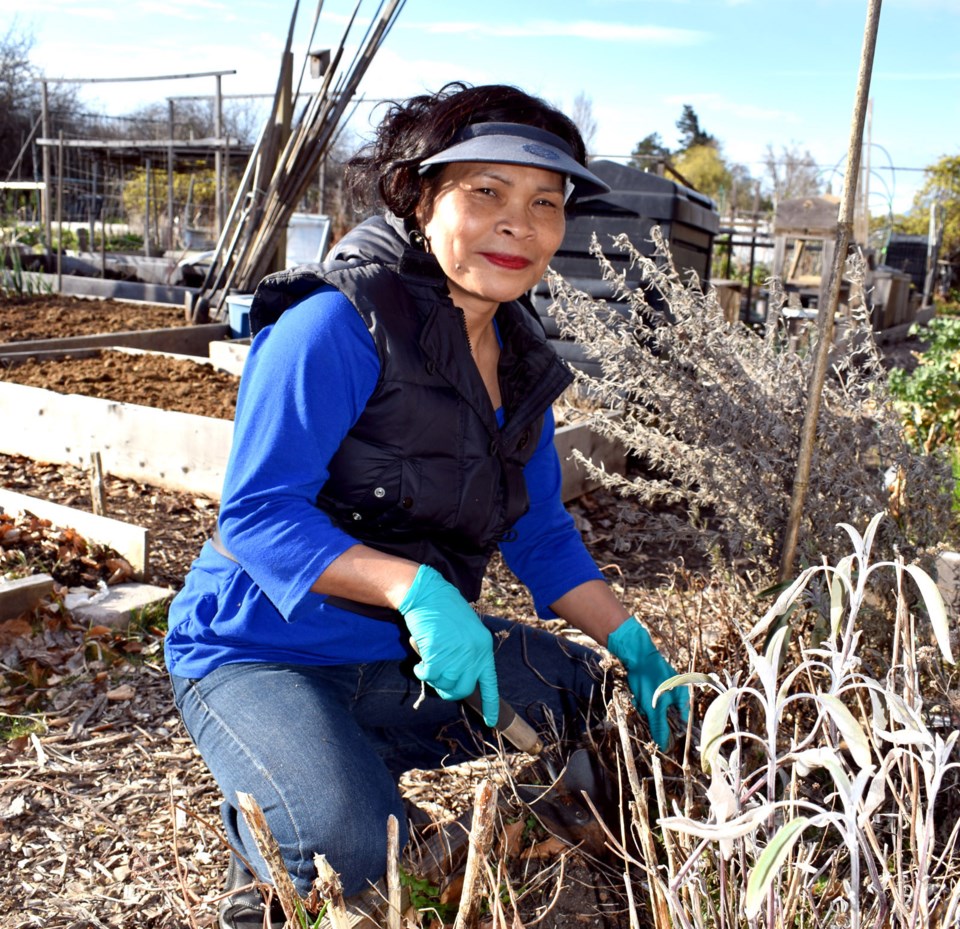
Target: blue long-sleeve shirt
point(305, 383)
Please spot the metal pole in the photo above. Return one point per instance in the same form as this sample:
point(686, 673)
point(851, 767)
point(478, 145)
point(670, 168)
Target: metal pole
point(146, 212)
point(92, 213)
point(218, 156)
point(827, 311)
point(60, 214)
point(753, 255)
point(933, 249)
point(170, 244)
point(45, 195)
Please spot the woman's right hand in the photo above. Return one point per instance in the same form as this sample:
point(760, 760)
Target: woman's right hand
point(455, 648)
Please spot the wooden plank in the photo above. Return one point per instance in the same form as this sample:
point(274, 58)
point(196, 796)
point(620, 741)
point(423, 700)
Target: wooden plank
point(597, 448)
point(184, 340)
point(23, 594)
point(133, 542)
point(170, 449)
point(230, 356)
point(119, 290)
point(183, 451)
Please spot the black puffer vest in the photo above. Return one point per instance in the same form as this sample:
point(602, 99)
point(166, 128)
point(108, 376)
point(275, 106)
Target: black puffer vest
point(425, 473)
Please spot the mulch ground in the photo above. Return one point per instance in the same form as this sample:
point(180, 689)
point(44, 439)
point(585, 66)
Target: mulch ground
point(107, 816)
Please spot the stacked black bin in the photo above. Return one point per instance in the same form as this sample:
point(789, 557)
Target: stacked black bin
point(637, 202)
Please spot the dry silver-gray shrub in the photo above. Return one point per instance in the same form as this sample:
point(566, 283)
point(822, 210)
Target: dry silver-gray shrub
point(716, 409)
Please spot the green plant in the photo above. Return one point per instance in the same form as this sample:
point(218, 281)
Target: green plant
point(425, 897)
point(15, 282)
point(65, 239)
point(15, 726)
point(929, 397)
point(127, 242)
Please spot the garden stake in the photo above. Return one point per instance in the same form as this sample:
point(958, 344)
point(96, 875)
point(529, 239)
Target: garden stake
point(826, 314)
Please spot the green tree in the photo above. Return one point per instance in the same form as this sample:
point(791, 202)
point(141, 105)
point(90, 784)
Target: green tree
point(704, 167)
point(648, 151)
point(692, 134)
point(941, 189)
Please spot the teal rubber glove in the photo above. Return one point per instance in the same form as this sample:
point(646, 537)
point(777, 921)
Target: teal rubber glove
point(647, 669)
point(455, 648)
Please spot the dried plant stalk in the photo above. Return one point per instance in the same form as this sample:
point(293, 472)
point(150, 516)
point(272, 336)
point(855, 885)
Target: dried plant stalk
point(481, 838)
point(267, 845)
point(393, 873)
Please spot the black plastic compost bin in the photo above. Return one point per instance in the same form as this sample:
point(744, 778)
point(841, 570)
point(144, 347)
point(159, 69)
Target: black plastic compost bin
point(637, 202)
point(908, 253)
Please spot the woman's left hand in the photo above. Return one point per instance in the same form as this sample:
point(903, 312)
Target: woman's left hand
point(647, 669)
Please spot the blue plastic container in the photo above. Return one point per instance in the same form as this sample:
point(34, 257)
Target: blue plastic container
point(238, 315)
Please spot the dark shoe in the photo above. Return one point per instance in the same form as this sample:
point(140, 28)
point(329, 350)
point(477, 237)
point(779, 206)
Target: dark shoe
point(245, 909)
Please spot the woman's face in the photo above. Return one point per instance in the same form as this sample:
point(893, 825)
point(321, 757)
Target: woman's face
point(494, 229)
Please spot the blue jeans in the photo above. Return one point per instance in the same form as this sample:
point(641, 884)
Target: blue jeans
point(321, 748)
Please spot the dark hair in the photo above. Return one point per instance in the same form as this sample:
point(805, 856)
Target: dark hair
point(424, 125)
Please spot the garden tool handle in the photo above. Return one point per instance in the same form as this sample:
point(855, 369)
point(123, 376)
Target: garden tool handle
point(513, 727)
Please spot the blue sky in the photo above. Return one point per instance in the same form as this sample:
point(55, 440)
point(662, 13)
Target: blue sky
point(757, 72)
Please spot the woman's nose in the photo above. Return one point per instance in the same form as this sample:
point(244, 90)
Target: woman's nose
point(515, 221)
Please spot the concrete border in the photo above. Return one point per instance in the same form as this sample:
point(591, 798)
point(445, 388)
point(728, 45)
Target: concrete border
point(77, 286)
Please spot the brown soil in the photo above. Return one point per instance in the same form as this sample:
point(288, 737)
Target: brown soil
point(146, 379)
point(56, 317)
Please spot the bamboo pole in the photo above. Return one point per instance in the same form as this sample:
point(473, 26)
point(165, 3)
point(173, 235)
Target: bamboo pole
point(60, 214)
point(825, 318)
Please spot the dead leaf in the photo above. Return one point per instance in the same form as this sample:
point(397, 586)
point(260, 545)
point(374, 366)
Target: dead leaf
point(512, 838)
point(548, 848)
point(14, 628)
point(123, 692)
point(453, 891)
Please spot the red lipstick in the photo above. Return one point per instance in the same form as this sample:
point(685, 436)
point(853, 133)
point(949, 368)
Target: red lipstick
point(512, 262)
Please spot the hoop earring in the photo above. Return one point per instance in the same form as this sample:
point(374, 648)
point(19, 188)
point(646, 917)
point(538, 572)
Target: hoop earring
point(419, 241)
